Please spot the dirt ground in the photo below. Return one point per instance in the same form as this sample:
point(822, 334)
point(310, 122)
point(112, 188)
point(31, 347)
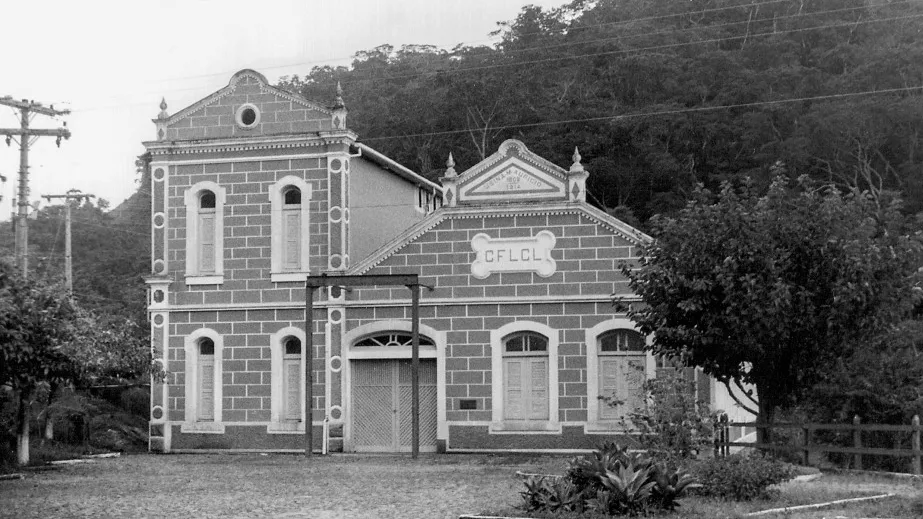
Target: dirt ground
point(289, 486)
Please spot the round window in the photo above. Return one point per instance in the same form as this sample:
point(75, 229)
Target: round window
point(248, 116)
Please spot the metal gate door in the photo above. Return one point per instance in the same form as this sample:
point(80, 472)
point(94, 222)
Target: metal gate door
point(381, 405)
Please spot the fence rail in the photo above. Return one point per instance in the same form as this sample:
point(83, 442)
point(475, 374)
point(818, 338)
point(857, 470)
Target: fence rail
point(807, 446)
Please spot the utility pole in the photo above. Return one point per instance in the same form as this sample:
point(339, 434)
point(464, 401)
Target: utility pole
point(72, 194)
point(27, 110)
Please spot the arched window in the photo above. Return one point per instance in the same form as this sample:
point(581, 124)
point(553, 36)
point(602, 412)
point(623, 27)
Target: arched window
point(287, 362)
point(206, 380)
point(392, 339)
point(621, 373)
point(204, 234)
point(203, 390)
point(525, 376)
point(291, 384)
point(290, 200)
point(291, 229)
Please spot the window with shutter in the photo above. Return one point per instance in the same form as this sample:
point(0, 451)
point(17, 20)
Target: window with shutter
point(291, 229)
point(290, 199)
point(525, 377)
point(621, 373)
point(206, 376)
point(291, 373)
point(206, 243)
point(204, 231)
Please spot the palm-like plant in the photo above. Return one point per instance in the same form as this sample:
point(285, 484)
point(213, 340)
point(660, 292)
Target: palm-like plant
point(668, 488)
point(630, 488)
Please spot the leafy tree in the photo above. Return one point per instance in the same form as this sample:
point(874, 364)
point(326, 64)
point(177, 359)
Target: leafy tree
point(35, 323)
point(46, 339)
point(771, 290)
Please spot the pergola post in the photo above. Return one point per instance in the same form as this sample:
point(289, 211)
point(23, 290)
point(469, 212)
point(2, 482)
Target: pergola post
point(411, 281)
point(309, 370)
point(415, 368)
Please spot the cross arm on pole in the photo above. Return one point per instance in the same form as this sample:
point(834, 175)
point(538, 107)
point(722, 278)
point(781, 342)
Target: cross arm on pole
point(39, 132)
point(32, 106)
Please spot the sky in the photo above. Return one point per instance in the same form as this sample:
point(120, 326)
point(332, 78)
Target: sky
point(111, 61)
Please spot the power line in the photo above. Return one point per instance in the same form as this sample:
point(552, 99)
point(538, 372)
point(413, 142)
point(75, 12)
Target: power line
point(356, 78)
point(640, 49)
point(571, 29)
point(664, 112)
point(748, 21)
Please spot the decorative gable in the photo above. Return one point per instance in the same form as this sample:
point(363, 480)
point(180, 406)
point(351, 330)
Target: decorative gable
point(248, 107)
point(512, 174)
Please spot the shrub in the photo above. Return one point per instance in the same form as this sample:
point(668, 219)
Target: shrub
point(740, 477)
point(608, 481)
point(673, 426)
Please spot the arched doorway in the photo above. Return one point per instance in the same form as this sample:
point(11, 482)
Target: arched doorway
point(380, 389)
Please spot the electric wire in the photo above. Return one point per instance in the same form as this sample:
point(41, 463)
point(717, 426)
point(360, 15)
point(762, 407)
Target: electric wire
point(357, 78)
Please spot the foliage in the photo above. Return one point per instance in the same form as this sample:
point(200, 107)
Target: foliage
point(674, 425)
point(46, 339)
point(682, 62)
point(610, 480)
point(741, 477)
point(880, 382)
point(770, 290)
point(36, 323)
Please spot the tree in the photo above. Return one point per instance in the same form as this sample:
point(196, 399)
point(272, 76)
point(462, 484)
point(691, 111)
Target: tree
point(46, 339)
point(35, 323)
point(771, 290)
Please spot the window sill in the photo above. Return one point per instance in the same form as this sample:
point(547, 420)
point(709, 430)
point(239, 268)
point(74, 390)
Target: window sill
point(607, 427)
point(202, 427)
point(205, 280)
point(525, 426)
point(288, 277)
point(285, 428)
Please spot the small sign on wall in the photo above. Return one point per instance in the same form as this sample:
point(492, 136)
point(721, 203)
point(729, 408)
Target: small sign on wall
point(513, 255)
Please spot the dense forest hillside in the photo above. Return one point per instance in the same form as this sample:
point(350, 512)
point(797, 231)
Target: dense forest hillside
point(110, 251)
point(658, 95)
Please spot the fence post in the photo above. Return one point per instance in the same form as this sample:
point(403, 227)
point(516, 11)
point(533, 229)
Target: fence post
point(727, 434)
point(915, 443)
point(717, 439)
point(857, 442)
point(807, 445)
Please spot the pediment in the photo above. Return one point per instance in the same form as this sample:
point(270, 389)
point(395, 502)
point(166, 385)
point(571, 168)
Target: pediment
point(217, 115)
point(513, 173)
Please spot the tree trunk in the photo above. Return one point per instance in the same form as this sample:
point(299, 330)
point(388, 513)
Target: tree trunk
point(49, 422)
point(767, 410)
point(22, 439)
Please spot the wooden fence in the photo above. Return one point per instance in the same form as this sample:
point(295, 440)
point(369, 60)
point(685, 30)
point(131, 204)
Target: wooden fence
point(808, 444)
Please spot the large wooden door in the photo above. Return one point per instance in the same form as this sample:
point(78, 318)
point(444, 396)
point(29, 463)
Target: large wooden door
point(381, 418)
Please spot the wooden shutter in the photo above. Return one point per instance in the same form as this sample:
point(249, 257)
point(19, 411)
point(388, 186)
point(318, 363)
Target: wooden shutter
point(622, 378)
point(292, 389)
point(207, 242)
point(514, 406)
point(206, 388)
point(292, 239)
point(609, 374)
point(538, 395)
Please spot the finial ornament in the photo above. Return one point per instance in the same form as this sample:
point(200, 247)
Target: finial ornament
point(163, 109)
point(576, 166)
point(450, 166)
point(338, 102)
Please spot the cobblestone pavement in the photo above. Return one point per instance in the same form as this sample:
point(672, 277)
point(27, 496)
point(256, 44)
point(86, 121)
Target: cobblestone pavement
point(284, 486)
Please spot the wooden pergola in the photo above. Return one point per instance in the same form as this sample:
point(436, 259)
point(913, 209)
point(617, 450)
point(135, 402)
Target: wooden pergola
point(312, 283)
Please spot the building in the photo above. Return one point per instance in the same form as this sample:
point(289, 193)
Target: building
point(255, 188)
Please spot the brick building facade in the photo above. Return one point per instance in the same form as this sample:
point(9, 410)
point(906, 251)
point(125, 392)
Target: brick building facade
point(255, 188)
